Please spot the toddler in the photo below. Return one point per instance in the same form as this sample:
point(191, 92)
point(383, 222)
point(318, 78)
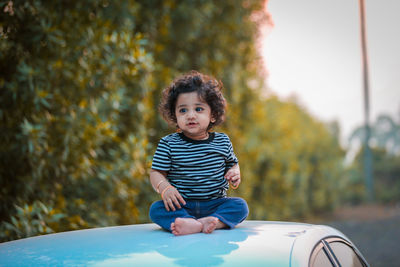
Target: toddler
point(193, 167)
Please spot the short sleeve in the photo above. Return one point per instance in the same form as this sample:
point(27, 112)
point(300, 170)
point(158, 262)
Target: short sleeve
point(162, 157)
point(231, 158)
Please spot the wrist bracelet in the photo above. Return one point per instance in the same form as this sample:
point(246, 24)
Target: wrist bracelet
point(233, 187)
point(165, 189)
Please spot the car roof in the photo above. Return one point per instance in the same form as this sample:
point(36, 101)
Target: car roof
point(251, 243)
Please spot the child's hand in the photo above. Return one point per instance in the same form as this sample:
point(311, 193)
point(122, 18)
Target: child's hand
point(233, 176)
point(172, 199)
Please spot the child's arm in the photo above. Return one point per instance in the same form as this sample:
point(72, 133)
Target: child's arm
point(233, 175)
point(169, 194)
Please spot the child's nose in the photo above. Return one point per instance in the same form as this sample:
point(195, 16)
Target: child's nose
point(191, 113)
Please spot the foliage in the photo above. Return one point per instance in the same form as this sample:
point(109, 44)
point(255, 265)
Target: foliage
point(293, 163)
point(385, 134)
point(73, 85)
point(32, 220)
point(80, 84)
point(385, 140)
point(386, 173)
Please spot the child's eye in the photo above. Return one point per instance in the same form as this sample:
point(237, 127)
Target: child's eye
point(198, 109)
point(182, 110)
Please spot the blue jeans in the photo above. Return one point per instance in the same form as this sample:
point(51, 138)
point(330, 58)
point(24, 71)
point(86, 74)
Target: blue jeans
point(229, 210)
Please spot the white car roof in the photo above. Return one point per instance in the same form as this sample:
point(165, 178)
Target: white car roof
point(252, 243)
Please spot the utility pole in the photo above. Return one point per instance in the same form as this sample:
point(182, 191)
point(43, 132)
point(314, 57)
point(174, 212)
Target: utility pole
point(369, 181)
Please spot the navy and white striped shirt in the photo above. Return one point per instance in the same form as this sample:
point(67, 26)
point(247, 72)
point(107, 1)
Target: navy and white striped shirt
point(196, 168)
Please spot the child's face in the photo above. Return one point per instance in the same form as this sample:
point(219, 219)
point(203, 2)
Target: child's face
point(193, 115)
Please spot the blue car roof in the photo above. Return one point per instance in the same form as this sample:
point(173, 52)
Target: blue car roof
point(251, 243)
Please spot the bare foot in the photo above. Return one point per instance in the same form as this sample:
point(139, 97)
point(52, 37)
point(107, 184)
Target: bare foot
point(186, 226)
point(209, 224)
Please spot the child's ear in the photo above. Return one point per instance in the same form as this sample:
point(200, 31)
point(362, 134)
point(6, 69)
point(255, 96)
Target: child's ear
point(213, 120)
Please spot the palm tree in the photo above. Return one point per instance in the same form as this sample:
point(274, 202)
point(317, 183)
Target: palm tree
point(385, 134)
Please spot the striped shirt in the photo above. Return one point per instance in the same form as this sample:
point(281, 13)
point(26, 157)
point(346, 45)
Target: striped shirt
point(196, 168)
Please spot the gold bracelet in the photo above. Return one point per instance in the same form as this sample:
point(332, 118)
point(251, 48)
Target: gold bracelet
point(165, 189)
point(233, 187)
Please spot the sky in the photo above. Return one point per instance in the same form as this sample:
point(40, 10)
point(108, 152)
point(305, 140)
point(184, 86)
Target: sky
point(313, 52)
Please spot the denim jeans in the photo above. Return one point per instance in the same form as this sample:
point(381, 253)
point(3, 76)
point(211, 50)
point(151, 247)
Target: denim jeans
point(229, 210)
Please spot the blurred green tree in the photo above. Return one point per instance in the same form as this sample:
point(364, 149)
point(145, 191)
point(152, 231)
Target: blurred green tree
point(385, 140)
point(293, 163)
point(80, 85)
point(385, 134)
point(74, 76)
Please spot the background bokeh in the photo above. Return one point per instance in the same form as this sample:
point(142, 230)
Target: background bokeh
point(80, 85)
point(312, 50)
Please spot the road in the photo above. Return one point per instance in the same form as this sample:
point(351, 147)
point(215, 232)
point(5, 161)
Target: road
point(375, 230)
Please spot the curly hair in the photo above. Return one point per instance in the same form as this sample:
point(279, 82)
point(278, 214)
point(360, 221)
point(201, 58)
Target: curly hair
point(207, 88)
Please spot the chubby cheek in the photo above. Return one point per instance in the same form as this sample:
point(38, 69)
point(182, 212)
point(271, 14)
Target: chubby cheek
point(180, 121)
